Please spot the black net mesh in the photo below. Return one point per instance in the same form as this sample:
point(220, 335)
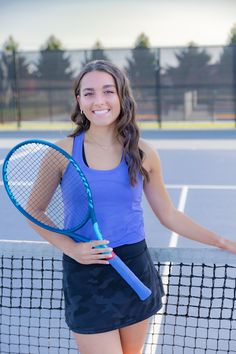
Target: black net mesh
point(198, 316)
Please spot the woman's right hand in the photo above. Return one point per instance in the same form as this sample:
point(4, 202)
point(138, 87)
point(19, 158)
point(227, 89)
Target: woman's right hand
point(91, 253)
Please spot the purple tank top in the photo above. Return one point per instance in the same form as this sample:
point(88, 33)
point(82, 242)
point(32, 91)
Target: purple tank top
point(117, 204)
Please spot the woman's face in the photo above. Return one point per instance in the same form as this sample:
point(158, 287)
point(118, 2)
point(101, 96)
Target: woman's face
point(98, 98)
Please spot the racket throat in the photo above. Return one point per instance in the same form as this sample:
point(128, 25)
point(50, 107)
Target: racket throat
point(97, 231)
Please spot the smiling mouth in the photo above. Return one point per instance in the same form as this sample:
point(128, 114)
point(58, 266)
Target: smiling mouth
point(101, 112)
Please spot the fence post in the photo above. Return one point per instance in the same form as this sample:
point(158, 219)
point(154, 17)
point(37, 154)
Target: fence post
point(17, 90)
point(234, 82)
point(3, 86)
point(158, 87)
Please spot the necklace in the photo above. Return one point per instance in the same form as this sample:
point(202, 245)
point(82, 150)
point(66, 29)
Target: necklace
point(102, 146)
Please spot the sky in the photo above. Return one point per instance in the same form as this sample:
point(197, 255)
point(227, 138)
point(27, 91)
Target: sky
point(116, 23)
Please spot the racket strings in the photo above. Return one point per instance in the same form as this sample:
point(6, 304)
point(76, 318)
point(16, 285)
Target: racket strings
point(38, 184)
point(22, 172)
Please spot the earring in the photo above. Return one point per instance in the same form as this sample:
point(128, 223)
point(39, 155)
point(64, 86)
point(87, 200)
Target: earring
point(81, 112)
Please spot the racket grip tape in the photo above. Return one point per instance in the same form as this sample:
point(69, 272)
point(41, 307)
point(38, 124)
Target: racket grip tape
point(134, 282)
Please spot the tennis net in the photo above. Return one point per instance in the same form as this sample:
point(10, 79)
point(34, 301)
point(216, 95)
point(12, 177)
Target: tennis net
point(198, 315)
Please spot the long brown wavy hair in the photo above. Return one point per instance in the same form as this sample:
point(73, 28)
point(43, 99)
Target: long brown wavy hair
point(126, 126)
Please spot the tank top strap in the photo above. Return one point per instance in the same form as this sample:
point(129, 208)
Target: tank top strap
point(78, 148)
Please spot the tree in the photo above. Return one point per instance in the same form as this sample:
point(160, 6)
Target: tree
point(13, 72)
point(53, 63)
point(52, 43)
point(141, 67)
point(225, 75)
point(97, 53)
point(142, 41)
point(232, 35)
point(193, 67)
point(142, 70)
point(10, 45)
point(224, 67)
point(227, 61)
point(15, 62)
point(54, 75)
point(187, 82)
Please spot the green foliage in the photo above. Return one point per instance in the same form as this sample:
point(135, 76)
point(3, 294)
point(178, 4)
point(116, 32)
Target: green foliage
point(193, 67)
point(142, 41)
point(97, 53)
point(232, 35)
point(141, 66)
point(13, 67)
point(224, 67)
point(53, 63)
point(10, 45)
point(52, 43)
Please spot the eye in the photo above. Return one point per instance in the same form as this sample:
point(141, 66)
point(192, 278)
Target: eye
point(109, 91)
point(88, 94)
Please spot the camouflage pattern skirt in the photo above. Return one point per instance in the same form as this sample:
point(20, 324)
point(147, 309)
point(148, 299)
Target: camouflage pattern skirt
point(98, 300)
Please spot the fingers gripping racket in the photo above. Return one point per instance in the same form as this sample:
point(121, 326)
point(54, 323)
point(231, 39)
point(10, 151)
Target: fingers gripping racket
point(42, 181)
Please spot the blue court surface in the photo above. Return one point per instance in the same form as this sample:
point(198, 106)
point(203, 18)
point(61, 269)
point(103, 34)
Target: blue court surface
point(199, 170)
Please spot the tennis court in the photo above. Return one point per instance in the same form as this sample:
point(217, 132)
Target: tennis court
point(199, 172)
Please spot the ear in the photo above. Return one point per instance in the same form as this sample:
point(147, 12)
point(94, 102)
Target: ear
point(78, 99)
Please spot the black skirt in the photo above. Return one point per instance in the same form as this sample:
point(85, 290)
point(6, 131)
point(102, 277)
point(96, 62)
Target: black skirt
point(98, 300)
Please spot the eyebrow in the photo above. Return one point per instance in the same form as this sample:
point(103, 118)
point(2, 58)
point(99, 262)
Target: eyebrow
point(104, 87)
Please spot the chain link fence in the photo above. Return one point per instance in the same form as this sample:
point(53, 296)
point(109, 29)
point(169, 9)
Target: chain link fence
point(169, 84)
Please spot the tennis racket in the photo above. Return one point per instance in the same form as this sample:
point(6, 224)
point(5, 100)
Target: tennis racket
point(42, 180)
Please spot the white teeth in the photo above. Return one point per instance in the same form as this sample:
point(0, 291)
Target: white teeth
point(100, 112)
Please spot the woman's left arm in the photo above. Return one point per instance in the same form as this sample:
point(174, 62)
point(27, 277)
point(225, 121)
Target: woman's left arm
point(168, 215)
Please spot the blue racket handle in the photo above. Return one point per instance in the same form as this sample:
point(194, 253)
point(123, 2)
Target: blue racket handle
point(141, 290)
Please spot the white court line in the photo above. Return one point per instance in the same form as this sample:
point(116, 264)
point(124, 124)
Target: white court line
point(174, 240)
point(183, 197)
point(22, 242)
point(18, 183)
point(193, 186)
point(21, 154)
point(192, 144)
point(200, 186)
point(173, 243)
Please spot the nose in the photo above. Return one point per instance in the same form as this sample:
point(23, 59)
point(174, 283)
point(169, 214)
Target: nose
point(99, 99)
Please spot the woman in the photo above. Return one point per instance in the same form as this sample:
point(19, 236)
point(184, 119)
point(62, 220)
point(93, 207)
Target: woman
point(104, 313)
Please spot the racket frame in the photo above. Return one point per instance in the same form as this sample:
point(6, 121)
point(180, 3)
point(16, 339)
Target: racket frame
point(142, 291)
